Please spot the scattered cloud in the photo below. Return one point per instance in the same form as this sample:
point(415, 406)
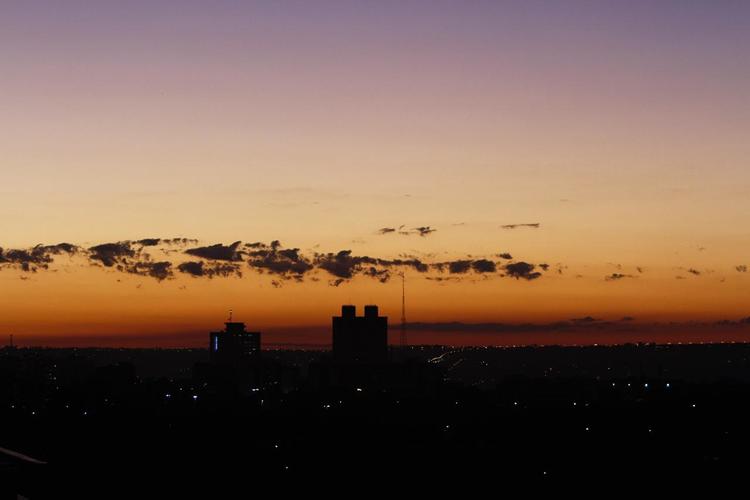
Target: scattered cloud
point(158, 270)
point(217, 252)
point(199, 269)
point(535, 225)
point(586, 319)
point(276, 260)
point(522, 270)
point(421, 231)
point(341, 264)
point(484, 266)
point(586, 323)
point(425, 230)
point(442, 278)
point(739, 322)
point(110, 254)
point(462, 266)
point(186, 257)
point(149, 242)
point(38, 257)
point(617, 277)
point(459, 266)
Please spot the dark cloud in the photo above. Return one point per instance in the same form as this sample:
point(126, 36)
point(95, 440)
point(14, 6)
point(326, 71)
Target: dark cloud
point(425, 230)
point(414, 263)
point(24, 258)
point(218, 252)
point(199, 269)
point(219, 260)
point(343, 264)
point(522, 270)
point(340, 264)
point(382, 275)
point(443, 278)
point(583, 325)
point(421, 231)
point(694, 271)
point(59, 249)
point(276, 260)
point(459, 266)
point(149, 242)
point(484, 266)
point(463, 266)
point(505, 255)
point(157, 270)
point(729, 322)
point(457, 326)
point(518, 270)
point(586, 319)
point(180, 241)
point(152, 242)
point(289, 263)
point(130, 257)
point(617, 277)
point(535, 225)
point(110, 254)
point(290, 254)
point(192, 268)
point(38, 257)
point(741, 269)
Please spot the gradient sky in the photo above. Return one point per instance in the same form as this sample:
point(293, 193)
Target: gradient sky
point(620, 127)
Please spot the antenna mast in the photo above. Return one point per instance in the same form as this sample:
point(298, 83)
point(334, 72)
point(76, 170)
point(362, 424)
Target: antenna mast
point(403, 310)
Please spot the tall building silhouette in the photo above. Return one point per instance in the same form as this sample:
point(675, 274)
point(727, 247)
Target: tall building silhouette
point(360, 338)
point(234, 344)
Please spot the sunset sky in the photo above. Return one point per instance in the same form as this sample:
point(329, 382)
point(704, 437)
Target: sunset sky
point(574, 163)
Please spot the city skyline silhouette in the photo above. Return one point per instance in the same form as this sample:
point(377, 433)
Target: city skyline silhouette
point(252, 244)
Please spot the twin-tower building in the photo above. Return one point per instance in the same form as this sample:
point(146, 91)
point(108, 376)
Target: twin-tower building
point(356, 339)
point(360, 338)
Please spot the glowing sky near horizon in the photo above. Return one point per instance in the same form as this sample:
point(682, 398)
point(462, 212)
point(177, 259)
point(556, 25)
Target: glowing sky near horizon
point(622, 128)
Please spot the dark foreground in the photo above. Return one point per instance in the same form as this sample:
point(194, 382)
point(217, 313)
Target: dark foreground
point(112, 423)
